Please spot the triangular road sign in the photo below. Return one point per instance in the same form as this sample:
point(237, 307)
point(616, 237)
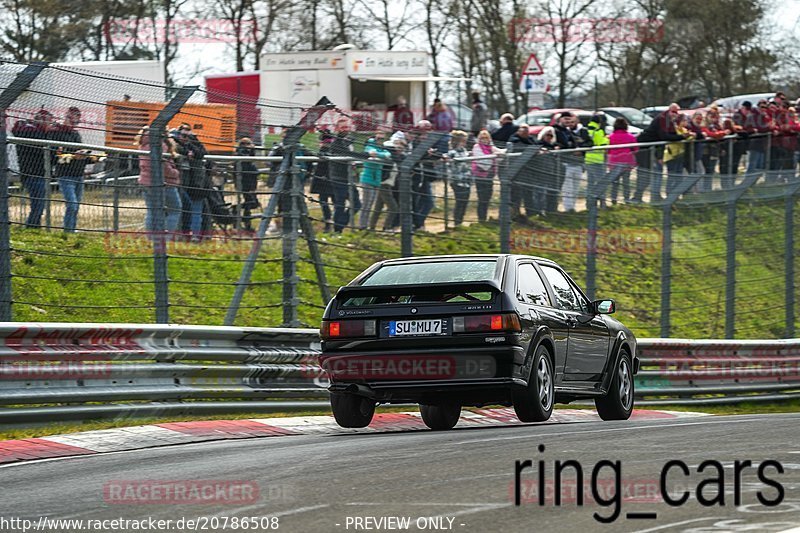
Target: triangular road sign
point(532, 67)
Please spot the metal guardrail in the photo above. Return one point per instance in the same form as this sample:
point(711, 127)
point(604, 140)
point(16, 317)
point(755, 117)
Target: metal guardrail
point(61, 371)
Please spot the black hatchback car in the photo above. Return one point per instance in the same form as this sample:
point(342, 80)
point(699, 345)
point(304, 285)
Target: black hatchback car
point(473, 330)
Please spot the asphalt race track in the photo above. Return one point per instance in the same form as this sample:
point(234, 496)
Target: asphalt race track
point(464, 478)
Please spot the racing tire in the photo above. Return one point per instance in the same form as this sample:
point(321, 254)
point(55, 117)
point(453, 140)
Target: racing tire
point(352, 411)
point(440, 417)
point(534, 402)
point(617, 404)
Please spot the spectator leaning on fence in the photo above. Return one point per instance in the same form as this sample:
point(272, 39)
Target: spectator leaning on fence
point(248, 181)
point(371, 173)
point(484, 171)
point(321, 182)
point(546, 172)
point(571, 134)
point(70, 167)
point(342, 145)
point(522, 183)
point(172, 180)
point(661, 128)
point(596, 159)
point(507, 128)
point(621, 160)
point(460, 175)
point(195, 180)
point(395, 147)
point(31, 162)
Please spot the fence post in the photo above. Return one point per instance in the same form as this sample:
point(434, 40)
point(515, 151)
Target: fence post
point(237, 182)
point(157, 129)
point(505, 207)
point(730, 269)
point(446, 181)
point(115, 185)
point(666, 251)
point(351, 196)
point(406, 220)
point(290, 193)
point(666, 269)
point(788, 257)
point(406, 199)
point(730, 180)
point(17, 86)
point(48, 189)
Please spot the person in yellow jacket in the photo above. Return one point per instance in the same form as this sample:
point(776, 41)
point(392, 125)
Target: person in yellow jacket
point(674, 152)
point(596, 159)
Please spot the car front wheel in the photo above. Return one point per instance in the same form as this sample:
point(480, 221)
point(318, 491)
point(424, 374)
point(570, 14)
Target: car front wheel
point(617, 404)
point(534, 403)
point(351, 411)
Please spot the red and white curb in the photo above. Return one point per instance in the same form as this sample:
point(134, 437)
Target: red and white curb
point(139, 437)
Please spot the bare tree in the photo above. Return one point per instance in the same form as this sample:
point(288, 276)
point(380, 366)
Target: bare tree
point(568, 45)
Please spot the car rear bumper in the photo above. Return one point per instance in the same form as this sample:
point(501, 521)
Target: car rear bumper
point(472, 375)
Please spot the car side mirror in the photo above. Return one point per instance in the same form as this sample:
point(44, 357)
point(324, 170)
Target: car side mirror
point(604, 307)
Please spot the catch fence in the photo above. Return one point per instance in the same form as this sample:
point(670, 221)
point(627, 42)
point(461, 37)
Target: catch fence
point(228, 232)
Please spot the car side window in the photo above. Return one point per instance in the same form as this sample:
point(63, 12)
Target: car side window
point(566, 297)
point(530, 286)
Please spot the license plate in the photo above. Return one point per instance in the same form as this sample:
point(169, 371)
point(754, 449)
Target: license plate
point(398, 328)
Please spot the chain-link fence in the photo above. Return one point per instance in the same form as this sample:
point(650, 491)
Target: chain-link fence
point(256, 222)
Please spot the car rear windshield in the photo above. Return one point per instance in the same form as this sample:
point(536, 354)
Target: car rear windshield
point(433, 272)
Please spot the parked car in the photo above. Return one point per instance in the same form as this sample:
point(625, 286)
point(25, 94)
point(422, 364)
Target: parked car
point(654, 110)
point(634, 116)
point(537, 120)
point(733, 103)
point(473, 330)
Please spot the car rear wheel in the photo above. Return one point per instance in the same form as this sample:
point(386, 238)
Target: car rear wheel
point(351, 411)
point(441, 416)
point(534, 403)
point(617, 404)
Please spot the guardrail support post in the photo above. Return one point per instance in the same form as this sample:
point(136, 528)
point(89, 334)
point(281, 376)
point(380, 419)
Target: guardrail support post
point(157, 129)
point(17, 86)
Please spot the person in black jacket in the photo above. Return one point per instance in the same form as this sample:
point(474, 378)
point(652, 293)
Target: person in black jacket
point(507, 128)
point(248, 181)
point(70, 167)
point(522, 183)
point(195, 180)
point(31, 163)
point(320, 181)
point(340, 177)
point(661, 128)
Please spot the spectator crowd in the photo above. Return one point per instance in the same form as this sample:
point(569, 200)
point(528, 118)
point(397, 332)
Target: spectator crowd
point(358, 184)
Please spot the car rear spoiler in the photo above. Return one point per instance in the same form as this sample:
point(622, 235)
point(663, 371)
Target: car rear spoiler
point(355, 291)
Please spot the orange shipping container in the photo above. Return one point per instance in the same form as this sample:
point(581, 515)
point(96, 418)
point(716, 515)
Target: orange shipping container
point(214, 124)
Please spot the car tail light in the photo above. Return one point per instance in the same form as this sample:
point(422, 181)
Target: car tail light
point(486, 323)
point(340, 329)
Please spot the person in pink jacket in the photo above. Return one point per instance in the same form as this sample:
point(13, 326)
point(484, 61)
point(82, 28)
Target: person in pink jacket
point(621, 160)
point(484, 170)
